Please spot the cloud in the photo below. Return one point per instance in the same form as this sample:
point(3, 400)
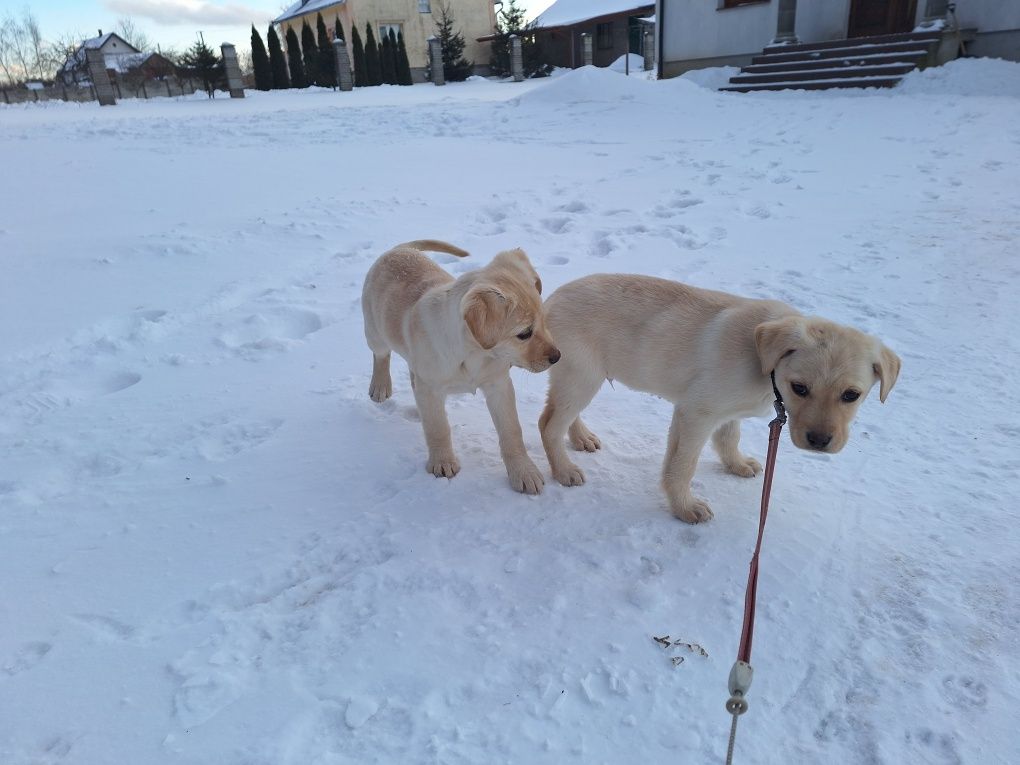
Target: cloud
point(176, 12)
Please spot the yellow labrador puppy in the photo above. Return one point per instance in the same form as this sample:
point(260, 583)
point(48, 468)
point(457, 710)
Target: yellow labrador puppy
point(711, 355)
point(458, 336)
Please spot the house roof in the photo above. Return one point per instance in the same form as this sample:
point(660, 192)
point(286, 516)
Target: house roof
point(564, 13)
point(301, 7)
point(99, 42)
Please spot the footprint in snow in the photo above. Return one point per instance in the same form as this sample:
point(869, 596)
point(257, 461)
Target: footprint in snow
point(52, 395)
point(104, 627)
point(576, 206)
point(556, 225)
point(961, 691)
point(28, 656)
point(272, 330)
point(118, 382)
point(220, 441)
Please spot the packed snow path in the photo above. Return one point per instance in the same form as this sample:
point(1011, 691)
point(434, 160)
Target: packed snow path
point(215, 548)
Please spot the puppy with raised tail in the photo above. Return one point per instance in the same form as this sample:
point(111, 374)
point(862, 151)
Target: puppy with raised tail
point(459, 335)
point(710, 354)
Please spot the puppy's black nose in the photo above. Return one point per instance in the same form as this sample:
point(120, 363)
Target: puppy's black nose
point(818, 440)
point(554, 357)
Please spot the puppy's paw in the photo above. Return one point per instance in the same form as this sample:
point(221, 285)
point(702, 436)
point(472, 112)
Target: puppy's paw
point(692, 510)
point(380, 390)
point(571, 475)
point(584, 440)
point(746, 467)
point(525, 477)
point(443, 465)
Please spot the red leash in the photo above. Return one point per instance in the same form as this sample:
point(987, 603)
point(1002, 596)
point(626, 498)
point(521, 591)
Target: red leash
point(741, 673)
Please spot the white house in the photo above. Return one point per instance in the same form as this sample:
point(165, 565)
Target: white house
point(693, 34)
point(115, 49)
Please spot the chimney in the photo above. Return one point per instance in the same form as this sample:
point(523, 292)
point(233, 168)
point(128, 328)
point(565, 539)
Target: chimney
point(100, 32)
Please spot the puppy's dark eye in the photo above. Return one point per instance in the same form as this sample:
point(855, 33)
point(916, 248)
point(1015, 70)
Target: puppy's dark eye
point(800, 389)
point(525, 334)
point(850, 395)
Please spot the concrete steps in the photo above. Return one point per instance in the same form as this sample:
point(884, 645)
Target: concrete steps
point(861, 62)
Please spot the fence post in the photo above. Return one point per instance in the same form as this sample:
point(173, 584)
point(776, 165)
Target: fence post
point(100, 78)
point(516, 58)
point(234, 80)
point(587, 55)
point(343, 65)
point(649, 49)
point(436, 61)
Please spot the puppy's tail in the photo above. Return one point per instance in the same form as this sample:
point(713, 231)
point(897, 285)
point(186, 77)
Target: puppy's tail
point(434, 245)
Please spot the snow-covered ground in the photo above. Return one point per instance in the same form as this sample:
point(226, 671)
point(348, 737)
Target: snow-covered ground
point(215, 548)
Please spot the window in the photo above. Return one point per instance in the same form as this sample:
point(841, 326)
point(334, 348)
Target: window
point(385, 29)
point(604, 36)
point(424, 6)
point(738, 3)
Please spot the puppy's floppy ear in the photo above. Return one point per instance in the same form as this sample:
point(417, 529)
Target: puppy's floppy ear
point(887, 369)
point(777, 338)
point(484, 310)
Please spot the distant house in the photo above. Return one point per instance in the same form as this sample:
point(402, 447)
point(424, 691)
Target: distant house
point(616, 28)
point(699, 33)
point(111, 45)
point(122, 59)
point(416, 19)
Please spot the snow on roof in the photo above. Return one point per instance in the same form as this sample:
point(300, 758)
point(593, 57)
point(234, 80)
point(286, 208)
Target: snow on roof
point(125, 62)
point(97, 42)
point(301, 7)
point(565, 12)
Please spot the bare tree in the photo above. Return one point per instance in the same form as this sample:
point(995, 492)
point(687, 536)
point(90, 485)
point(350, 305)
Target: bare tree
point(127, 29)
point(8, 66)
point(64, 47)
point(39, 53)
point(23, 51)
point(244, 61)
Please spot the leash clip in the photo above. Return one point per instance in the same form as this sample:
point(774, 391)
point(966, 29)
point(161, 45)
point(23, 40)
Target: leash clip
point(780, 412)
point(778, 403)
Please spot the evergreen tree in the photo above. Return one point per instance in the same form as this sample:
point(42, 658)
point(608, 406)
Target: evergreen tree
point(373, 66)
point(277, 62)
point(510, 21)
point(360, 66)
point(338, 30)
point(309, 55)
point(297, 69)
point(201, 62)
point(395, 56)
point(387, 62)
point(456, 68)
point(260, 61)
point(403, 65)
point(327, 61)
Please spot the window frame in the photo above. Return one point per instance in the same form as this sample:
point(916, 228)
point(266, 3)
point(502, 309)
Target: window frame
point(396, 26)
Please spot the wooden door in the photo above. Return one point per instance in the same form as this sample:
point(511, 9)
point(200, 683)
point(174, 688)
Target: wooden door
point(881, 17)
